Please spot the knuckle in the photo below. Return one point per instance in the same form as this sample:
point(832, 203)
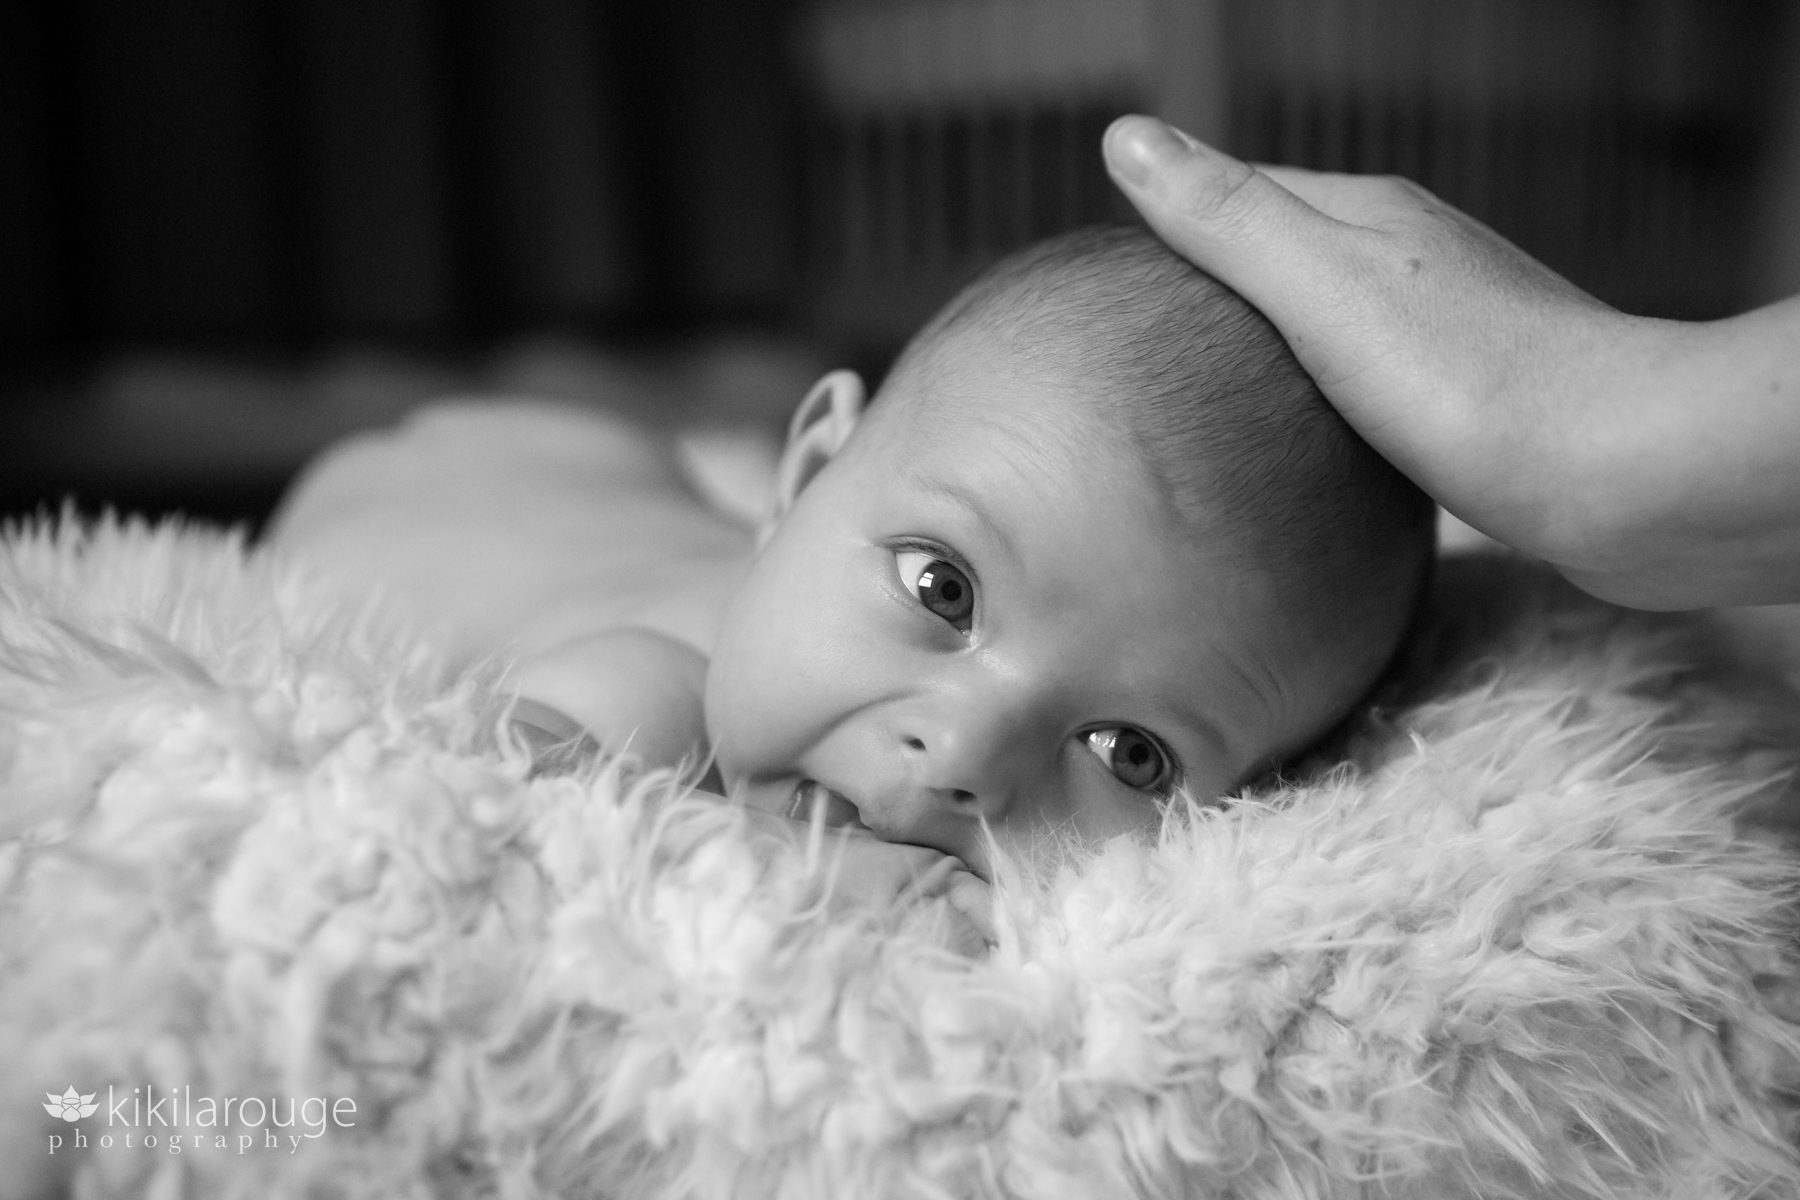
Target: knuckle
point(1399, 189)
point(1217, 191)
point(1390, 204)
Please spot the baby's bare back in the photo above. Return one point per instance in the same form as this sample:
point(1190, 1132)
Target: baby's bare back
point(513, 527)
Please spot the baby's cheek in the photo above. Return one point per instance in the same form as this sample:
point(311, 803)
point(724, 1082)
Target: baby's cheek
point(1209, 780)
point(792, 662)
point(1116, 816)
point(740, 711)
point(758, 704)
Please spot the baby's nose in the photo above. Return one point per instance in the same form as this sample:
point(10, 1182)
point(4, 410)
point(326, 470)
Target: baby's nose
point(961, 766)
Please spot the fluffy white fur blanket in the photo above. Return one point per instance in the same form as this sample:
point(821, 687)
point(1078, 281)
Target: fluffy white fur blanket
point(259, 846)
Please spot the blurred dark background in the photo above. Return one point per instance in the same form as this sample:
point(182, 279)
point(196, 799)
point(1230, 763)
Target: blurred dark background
point(230, 232)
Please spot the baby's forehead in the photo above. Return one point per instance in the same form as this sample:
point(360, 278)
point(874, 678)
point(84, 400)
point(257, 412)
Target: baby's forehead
point(1070, 431)
point(988, 387)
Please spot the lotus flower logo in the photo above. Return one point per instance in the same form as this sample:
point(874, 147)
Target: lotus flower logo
point(71, 1105)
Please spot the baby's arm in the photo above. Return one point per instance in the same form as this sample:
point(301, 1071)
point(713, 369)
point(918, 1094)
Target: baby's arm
point(632, 690)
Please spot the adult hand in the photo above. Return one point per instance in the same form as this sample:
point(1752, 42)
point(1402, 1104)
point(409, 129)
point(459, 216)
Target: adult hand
point(1655, 463)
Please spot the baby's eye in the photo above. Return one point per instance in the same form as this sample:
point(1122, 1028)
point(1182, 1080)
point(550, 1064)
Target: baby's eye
point(1133, 757)
point(940, 586)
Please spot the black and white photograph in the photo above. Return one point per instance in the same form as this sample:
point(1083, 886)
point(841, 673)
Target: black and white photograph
point(900, 600)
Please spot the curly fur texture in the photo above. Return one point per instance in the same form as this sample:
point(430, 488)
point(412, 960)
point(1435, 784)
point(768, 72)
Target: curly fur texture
point(259, 844)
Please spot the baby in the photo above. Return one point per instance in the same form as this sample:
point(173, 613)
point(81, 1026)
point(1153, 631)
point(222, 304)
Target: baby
point(1097, 539)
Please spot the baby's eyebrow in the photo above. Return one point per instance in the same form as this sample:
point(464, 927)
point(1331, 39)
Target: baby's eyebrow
point(967, 500)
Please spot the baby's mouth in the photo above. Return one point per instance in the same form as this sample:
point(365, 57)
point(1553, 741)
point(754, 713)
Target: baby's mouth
point(835, 810)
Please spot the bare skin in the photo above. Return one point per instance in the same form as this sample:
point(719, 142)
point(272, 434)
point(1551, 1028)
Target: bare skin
point(1655, 463)
point(577, 545)
point(970, 624)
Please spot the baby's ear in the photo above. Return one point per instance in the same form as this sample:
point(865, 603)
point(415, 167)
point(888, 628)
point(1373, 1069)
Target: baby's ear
point(821, 426)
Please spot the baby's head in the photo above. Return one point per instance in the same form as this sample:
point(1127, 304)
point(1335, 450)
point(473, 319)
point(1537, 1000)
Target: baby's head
point(1098, 538)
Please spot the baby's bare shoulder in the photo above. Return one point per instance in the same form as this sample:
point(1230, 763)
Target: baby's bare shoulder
point(495, 436)
point(463, 456)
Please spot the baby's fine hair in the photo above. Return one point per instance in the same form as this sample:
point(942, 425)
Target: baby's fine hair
point(1233, 431)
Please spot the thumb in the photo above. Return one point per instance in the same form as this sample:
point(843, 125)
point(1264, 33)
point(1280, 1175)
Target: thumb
point(1222, 214)
point(974, 899)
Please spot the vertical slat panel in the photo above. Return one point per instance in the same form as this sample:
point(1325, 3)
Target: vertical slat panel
point(34, 301)
point(377, 236)
point(179, 211)
point(1774, 248)
point(551, 160)
point(722, 125)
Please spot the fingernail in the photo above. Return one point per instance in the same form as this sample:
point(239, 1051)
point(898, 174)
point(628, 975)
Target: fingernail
point(1139, 146)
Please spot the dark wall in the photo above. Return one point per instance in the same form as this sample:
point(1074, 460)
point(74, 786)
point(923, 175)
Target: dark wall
point(273, 181)
point(290, 173)
point(215, 172)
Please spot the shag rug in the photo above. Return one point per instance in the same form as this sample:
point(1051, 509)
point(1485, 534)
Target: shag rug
point(287, 913)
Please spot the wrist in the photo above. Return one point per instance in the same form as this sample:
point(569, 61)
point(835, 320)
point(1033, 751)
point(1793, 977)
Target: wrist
point(1683, 491)
point(1550, 464)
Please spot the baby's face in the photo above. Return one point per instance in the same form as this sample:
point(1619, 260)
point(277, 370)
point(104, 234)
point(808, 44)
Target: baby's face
point(979, 613)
